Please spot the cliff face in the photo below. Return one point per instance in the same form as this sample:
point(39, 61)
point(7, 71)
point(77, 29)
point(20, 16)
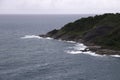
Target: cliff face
point(103, 30)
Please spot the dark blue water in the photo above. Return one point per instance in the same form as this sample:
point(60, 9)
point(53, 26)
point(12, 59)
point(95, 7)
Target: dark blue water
point(32, 58)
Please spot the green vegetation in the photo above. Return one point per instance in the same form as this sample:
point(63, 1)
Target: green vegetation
point(101, 30)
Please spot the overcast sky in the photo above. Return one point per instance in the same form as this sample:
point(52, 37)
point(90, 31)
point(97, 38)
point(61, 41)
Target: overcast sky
point(59, 6)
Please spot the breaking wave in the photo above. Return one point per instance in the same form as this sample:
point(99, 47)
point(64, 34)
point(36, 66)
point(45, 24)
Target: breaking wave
point(79, 46)
point(87, 52)
point(34, 37)
point(79, 49)
point(115, 55)
point(71, 41)
point(31, 37)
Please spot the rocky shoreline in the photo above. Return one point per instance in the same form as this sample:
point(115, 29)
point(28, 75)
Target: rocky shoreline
point(92, 47)
point(101, 33)
point(103, 51)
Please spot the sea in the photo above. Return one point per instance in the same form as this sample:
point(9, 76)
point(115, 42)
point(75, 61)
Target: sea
point(26, 56)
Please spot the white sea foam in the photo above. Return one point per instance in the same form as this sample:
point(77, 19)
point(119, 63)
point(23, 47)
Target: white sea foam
point(78, 49)
point(87, 52)
point(74, 52)
point(48, 38)
point(115, 55)
point(90, 53)
point(66, 41)
point(79, 46)
point(31, 37)
point(71, 41)
point(93, 54)
point(34, 37)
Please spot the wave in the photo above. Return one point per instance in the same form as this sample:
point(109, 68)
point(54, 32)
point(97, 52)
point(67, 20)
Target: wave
point(48, 38)
point(115, 55)
point(34, 37)
point(31, 37)
point(73, 52)
point(71, 41)
point(79, 49)
point(91, 53)
point(66, 41)
point(87, 52)
point(79, 46)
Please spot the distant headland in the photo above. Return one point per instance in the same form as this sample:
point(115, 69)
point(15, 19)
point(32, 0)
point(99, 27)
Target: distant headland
point(100, 33)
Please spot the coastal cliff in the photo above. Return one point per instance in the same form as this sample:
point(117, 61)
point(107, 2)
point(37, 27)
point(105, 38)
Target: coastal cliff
point(100, 33)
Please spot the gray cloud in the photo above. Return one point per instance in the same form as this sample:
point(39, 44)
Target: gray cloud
point(58, 6)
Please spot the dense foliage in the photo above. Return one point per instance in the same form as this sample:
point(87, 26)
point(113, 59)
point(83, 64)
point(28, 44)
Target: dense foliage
point(100, 29)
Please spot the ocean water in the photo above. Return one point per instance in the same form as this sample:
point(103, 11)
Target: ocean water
point(25, 56)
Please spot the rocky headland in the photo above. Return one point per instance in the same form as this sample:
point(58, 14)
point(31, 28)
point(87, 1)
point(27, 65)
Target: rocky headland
point(100, 33)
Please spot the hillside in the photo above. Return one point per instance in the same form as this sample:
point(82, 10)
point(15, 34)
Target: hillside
point(102, 30)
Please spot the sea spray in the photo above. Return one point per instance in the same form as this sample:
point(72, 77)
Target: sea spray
point(34, 37)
